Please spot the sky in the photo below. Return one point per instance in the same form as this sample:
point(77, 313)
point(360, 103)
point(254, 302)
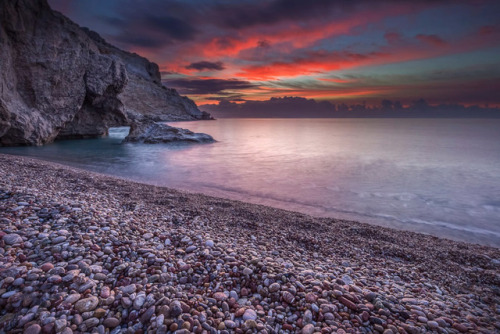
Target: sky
point(339, 51)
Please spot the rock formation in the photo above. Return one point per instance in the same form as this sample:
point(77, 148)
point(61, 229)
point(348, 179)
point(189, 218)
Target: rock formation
point(58, 80)
point(154, 133)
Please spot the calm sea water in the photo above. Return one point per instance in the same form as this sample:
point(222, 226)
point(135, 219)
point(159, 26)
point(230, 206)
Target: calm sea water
point(439, 176)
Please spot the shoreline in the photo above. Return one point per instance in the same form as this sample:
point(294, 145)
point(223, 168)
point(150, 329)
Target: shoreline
point(199, 263)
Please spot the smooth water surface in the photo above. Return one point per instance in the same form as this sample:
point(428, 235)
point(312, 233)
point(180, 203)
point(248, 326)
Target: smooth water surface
point(438, 176)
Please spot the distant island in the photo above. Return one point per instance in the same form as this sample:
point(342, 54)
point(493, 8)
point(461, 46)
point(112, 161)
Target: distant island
point(299, 107)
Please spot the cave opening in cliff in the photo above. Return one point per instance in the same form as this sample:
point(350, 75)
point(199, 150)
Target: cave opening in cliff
point(95, 117)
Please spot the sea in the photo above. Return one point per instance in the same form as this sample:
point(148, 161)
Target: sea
point(435, 176)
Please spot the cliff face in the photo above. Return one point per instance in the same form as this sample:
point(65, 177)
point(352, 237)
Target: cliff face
point(58, 80)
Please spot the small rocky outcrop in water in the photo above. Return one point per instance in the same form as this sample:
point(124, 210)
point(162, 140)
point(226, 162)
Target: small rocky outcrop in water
point(58, 80)
point(154, 133)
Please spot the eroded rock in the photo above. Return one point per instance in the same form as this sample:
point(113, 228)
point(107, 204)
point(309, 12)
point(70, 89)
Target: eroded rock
point(154, 133)
point(59, 81)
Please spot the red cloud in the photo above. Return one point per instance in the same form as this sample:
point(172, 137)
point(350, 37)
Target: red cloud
point(489, 30)
point(433, 40)
point(392, 37)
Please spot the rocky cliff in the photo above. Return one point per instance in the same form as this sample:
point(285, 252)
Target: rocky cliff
point(58, 80)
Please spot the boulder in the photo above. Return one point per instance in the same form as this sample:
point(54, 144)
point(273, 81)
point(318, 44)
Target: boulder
point(154, 133)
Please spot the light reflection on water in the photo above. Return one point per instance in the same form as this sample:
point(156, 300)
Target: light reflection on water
point(434, 176)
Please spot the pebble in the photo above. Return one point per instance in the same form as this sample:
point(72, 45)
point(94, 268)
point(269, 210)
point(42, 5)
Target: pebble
point(249, 315)
point(111, 322)
point(432, 324)
point(33, 329)
point(12, 238)
point(47, 266)
point(220, 296)
point(275, 287)
point(308, 329)
point(288, 297)
point(87, 304)
point(60, 324)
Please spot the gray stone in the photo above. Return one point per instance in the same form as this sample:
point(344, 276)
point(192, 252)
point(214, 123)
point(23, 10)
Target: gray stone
point(33, 329)
point(60, 324)
point(249, 315)
point(154, 133)
point(111, 322)
point(308, 329)
point(13, 238)
point(87, 304)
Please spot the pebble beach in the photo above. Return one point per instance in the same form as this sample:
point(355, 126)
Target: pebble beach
point(82, 252)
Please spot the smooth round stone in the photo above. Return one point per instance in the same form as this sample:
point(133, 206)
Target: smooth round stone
point(59, 239)
point(308, 329)
point(220, 296)
point(111, 322)
point(250, 324)
point(209, 243)
point(77, 319)
point(422, 319)
point(275, 287)
point(87, 304)
point(148, 314)
point(33, 329)
point(175, 308)
point(148, 236)
point(288, 297)
point(307, 316)
point(310, 297)
point(249, 315)
point(247, 271)
point(9, 294)
point(91, 323)
point(190, 249)
point(99, 313)
point(73, 298)
point(47, 266)
point(432, 324)
point(18, 281)
point(105, 292)
point(230, 324)
point(54, 279)
point(128, 289)
point(12, 239)
point(139, 301)
point(60, 324)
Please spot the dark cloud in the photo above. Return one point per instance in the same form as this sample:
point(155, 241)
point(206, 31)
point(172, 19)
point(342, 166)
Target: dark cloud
point(141, 40)
point(207, 86)
point(230, 98)
point(206, 65)
point(238, 16)
point(274, 107)
point(157, 25)
point(296, 107)
point(173, 27)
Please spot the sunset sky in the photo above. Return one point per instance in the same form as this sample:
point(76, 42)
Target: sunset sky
point(340, 51)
